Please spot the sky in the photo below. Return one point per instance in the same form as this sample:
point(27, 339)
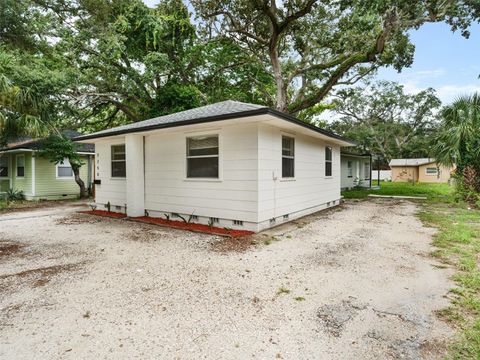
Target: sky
point(443, 60)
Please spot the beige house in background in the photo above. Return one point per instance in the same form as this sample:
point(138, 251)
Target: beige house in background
point(419, 170)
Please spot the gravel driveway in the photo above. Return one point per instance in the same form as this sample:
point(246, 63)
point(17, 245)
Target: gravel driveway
point(355, 282)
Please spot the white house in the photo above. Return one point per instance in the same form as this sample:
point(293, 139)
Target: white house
point(356, 170)
point(229, 164)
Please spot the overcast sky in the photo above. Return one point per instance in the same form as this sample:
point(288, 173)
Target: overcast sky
point(444, 61)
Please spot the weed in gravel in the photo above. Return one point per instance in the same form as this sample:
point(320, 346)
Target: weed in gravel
point(283, 290)
point(299, 298)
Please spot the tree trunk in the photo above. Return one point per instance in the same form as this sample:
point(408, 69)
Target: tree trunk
point(80, 183)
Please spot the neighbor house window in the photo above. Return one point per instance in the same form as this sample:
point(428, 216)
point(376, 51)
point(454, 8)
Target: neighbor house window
point(20, 165)
point(328, 161)
point(350, 169)
point(202, 156)
point(432, 170)
point(288, 157)
point(64, 169)
point(119, 168)
point(367, 171)
point(3, 166)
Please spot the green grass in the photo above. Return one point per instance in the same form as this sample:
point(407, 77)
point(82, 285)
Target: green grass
point(458, 245)
point(3, 205)
point(441, 192)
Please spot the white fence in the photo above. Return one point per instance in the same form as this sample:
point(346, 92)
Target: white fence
point(384, 175)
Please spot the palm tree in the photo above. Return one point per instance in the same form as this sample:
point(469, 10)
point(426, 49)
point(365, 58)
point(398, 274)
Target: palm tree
point(458, 141)
point(22, 111)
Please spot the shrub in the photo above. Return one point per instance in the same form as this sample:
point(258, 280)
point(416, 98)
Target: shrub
point(14, 195)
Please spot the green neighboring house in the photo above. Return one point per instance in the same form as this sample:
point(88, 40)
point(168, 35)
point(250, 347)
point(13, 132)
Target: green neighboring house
point(22, 168)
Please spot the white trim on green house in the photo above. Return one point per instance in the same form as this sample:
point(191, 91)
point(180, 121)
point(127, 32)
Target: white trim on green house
point(33, 175)
point(40, 179)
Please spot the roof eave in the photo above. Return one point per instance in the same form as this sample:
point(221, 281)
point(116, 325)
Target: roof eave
point(262, 111)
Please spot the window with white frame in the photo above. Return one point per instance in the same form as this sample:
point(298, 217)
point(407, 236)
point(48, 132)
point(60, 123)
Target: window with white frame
point(64, 169)
point(366, 168)
point(20, 166)
point(328, 161)
point(119, 166)
point(202, 156)
point(431, 171)
point(3, 165)
point(350, 168)
point(288, 157)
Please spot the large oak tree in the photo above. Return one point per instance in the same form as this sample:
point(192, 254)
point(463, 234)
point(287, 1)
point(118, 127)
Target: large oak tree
point(309, 46)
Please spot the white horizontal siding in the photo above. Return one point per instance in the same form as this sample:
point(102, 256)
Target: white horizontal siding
point(111, 190)
point(233, 196)
point(309, 189)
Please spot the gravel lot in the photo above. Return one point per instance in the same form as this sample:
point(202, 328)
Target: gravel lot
point(355, 282)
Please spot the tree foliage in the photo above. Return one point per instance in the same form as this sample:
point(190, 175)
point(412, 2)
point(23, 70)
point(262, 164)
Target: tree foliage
point(310, 47)
point(458, 140)
point(93, 64)
point(385, 120)
point(101, 63)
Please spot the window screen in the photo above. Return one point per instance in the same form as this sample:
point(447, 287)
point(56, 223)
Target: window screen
point(118, 161)
point(288, 157)
point(202, 156)
point(64, 169)
point(432, 170)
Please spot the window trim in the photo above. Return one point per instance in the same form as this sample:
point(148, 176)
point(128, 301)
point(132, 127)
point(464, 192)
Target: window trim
point(350, 169)
point(63, 177)
point(288, 178)
point(187, 136)
point(5, 156)
point(16, 166)
point(330, 161)
point(431, 174)
point(111, 161)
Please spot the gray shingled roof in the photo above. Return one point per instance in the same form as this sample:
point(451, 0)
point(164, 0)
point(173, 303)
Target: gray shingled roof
point(36, 144)
point(218, 109)
point(411, 162)
point(215, 112)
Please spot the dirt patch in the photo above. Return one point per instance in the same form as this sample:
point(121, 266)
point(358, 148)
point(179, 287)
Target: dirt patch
point(27, 205)
point(143, 234)
point(334, 317)
point(239, 244)
point(433, 349)
point(78, 218)
point(35, 277)
point(10, 249)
